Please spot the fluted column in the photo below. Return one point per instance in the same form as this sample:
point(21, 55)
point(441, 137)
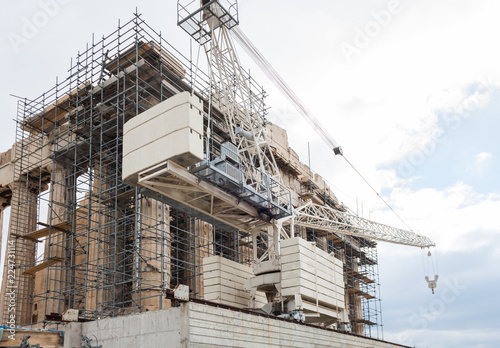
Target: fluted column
point(152, 265)
point(17, 289)
point(50, 283)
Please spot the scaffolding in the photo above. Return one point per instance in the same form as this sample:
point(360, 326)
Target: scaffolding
point(359, 256)
point(85, 239)
point(109, 248)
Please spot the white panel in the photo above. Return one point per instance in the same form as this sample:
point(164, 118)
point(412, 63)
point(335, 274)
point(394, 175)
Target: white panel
point(211, 326)
point(295, 243)
point(180, 117)
point(185, 147)
point(163, 107)
point(223, 282)
point(312, 273)
point(171, 130)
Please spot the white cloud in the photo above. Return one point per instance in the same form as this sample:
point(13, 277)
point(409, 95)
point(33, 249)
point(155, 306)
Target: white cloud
point(445, 215)
point(481, 163)
point(483, 157)
point(459, 99)
point(384, 105)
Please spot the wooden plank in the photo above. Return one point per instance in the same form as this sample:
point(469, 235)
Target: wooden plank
point(111, 84)
point(43, 265)
point(360, 293)
point(44, 232)
point(169, 61)
point(361, 276)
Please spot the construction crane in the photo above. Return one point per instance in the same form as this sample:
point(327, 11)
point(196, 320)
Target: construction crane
point(246, 124)
point(246, 159)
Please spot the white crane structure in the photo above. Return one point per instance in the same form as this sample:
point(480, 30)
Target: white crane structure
point(323, 217)
point(209, 22)
point(243, 164)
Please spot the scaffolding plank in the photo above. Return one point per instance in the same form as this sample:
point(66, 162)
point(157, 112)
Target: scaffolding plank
point(363, 321)
point(361, 276)
point(43, 265)
point(44, 232)
point(361, 293)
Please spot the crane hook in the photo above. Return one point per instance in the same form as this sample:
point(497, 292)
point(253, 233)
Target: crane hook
point(432, 283)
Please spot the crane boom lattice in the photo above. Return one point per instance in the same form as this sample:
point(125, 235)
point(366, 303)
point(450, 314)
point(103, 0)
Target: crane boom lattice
point(325, 218)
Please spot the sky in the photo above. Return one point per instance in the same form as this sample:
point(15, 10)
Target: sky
point(410, 89)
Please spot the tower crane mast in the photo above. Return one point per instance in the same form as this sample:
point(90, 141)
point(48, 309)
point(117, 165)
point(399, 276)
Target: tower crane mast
point(210, 22)
point(232, 93)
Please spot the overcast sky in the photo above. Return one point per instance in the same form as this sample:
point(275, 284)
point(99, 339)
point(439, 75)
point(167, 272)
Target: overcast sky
point(410, 89)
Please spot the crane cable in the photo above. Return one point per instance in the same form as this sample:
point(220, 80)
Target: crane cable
point(378, 194)
point(278, 81)
point(285, 89)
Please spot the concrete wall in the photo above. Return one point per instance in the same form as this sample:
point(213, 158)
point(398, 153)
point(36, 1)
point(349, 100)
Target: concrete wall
point(198, 325)
point(149, 329)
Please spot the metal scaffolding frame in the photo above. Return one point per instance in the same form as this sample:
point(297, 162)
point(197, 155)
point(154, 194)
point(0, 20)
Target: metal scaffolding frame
point(361, 279)
point(346, 243)
point(114, 249)
point(108, 248)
